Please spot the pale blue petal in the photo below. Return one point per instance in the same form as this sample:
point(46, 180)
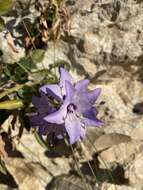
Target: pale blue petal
point(52, 90)
point(91, 113)
point(93, 95)
point(92, 123)
point(82, 102)
point(83, 132)
point(70, 91)
point(64, 76)
point(36, 120)
point(73, 128)
point(55, 91)
point(44, 89)
point(85, 100)
point(58, 116)
point(82, 85)
point(41, 103)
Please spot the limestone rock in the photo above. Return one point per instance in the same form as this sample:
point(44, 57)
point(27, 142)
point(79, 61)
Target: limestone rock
point(108, 140)
point(11, 53)
point(120, 153)
point(135, 173)
point(27, 175)
point(36, 168)
point(111, 30)
point(107, 186)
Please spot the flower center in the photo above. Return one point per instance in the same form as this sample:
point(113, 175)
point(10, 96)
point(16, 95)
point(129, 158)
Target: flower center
point(71, 108)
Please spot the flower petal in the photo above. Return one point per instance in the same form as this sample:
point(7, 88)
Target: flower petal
point(43, 130)
point(52, 90)
point(83, 132)
point(82, 102)
point(82, 85)
point(36, 120)
point(73, 128)
point(91, 123)
point(93, 95)
point(91, 113)
point(64, 76)
point(70, 90)
point(43, 89)
point(58, 116)
point(55, 91)
point(41, 104)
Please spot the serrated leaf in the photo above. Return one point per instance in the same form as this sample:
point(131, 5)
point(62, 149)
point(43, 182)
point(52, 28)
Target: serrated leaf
point(11, 104)
point(5, 6)
point(40, 140)
point(37, 55)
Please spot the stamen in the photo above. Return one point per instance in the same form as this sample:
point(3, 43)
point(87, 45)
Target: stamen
point(71, 108)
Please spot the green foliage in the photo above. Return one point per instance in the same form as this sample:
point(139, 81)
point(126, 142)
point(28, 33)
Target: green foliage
point(37, 55)
point(26, 64)
point(26, 93)
point(51, 14)
point(5, 6)
point(2, 24)
point(40, 140)
point(3, 167)
point(44, 75)
point(16, 73)
point(11, 104)
point(60, 63)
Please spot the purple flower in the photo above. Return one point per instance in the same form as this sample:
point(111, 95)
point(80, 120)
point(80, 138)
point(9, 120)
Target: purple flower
point(77, 110)
point(58, 91)
point(37, 120)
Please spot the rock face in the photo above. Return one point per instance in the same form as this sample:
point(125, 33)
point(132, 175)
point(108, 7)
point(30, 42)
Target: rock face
point(103, 33)
point(111, 30)
point(11, 52)
point(70, 182)
point(35, 169)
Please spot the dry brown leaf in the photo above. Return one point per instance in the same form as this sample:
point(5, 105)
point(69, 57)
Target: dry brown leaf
point(3, 153)
point(11, 42)
point(27, 41)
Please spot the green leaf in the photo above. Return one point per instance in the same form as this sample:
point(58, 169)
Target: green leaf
point(16, 73)
point(37, 55)
point(20, 75)
point(41, 75)
point(3, 167)
point(27, 64)
point(26, 93)
point(2, 24)
point(40, 140)
point(60, 63)
point(5, 6)
point(11, 104)
point(7, 71)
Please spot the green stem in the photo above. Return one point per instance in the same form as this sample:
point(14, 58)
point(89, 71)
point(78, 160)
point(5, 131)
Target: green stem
point(108, 169)
point(9, 91)
point(79, 170)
